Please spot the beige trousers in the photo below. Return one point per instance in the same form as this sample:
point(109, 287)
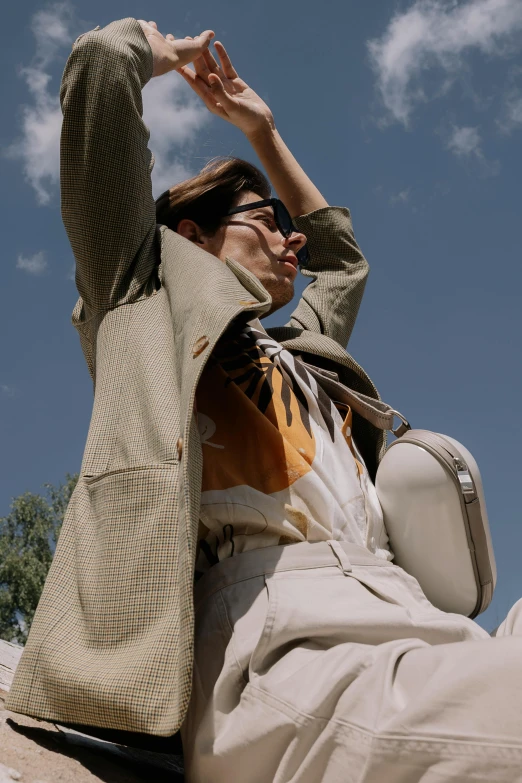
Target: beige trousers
point(320, 663)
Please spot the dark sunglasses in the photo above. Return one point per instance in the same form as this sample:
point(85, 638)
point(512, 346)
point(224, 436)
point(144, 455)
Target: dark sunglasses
point(282, 219)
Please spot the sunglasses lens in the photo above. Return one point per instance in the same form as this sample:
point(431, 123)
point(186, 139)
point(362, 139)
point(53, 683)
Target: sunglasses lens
point(286, 227)
point(283, 219)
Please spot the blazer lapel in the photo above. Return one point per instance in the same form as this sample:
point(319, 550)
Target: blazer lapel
point(205, 296)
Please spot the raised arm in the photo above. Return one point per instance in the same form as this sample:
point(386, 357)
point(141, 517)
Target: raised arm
point(337, 268)
point(107, 204)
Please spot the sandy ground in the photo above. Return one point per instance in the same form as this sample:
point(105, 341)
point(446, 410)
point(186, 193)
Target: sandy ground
point(33, 751)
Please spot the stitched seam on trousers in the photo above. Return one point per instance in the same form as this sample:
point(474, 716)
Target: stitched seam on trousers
point(254, 692)
point(268, 697)
point(304, 717)
point(228, 631)
point(396, 744)
point(437, 746)
point(268, 626)
point(424, 752)
point(457, 747)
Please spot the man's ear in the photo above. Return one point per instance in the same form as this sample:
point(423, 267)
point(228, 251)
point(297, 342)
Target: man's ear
point(190, 230)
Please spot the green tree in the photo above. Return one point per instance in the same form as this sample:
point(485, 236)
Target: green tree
point(28, 536)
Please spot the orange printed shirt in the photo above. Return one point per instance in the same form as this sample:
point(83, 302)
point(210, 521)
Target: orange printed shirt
point(279, 463)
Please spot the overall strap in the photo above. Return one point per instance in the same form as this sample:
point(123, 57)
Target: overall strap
point(376, 412)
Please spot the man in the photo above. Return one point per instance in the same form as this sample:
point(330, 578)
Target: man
point(214, 452)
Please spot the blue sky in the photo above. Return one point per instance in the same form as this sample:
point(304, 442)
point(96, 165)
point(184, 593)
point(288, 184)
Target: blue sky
point(408, 113)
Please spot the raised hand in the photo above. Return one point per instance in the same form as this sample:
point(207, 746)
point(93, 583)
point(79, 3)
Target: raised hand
point(225, 94)
point(169, 53)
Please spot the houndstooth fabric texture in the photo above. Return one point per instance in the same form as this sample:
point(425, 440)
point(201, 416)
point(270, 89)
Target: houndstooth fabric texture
point(112, 641)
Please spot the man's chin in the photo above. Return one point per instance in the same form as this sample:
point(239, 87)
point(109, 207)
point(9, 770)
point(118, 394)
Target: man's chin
point(281, 297)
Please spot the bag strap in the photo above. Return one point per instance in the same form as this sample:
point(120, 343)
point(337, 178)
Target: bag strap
point(376, 412)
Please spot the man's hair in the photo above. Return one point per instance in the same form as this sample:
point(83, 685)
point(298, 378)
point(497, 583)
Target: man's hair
point(207, 197)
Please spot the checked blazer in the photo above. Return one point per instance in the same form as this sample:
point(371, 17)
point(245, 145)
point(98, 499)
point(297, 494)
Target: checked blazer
point(111, 645)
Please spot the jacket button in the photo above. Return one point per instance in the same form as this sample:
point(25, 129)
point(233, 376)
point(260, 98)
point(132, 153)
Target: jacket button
point(179, 447)
point(247, 302)
point(199, 346)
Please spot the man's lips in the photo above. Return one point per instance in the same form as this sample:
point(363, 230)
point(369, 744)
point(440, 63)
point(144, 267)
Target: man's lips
point(291, 260)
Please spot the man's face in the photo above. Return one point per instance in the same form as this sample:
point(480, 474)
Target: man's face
point(254, 241)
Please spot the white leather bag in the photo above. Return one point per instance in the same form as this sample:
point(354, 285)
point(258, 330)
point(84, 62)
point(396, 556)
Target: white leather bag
point(432, 498)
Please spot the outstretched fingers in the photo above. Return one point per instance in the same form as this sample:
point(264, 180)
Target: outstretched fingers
point(201, 88)
point(198, 85)
point(226, 63)
point(211, 62)
point(219, 92)
point(207, 64)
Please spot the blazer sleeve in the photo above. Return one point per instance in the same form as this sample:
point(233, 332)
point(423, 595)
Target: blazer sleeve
point(338, 271)
point(107, 204)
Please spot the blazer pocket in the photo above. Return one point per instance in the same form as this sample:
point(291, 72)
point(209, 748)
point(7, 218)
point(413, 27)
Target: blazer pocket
point(93, 478)
point(131, 554)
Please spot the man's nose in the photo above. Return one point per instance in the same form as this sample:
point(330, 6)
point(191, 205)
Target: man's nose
point(296, 240)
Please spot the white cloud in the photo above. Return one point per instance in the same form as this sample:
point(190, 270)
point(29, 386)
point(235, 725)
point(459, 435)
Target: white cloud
point(51, 27)
point(171, 111)
point(512, 118)
point(38, 146)
point(514, 110)
point(401, 197)
point(465, 142)
point(173, 116)
point(9, 391)
point(437, 34)
point(34, 265)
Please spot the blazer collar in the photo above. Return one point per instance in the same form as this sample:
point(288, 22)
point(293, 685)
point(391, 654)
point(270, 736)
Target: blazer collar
point(249, 281)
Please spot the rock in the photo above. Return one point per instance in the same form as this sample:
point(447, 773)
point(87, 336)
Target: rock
point(34, 751)
point(9, 656)
point(8, 774)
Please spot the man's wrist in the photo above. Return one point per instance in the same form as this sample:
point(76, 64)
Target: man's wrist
point(265, 134)
point(294, 188)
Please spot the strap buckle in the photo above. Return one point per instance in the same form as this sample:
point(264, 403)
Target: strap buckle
point(403, 427)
